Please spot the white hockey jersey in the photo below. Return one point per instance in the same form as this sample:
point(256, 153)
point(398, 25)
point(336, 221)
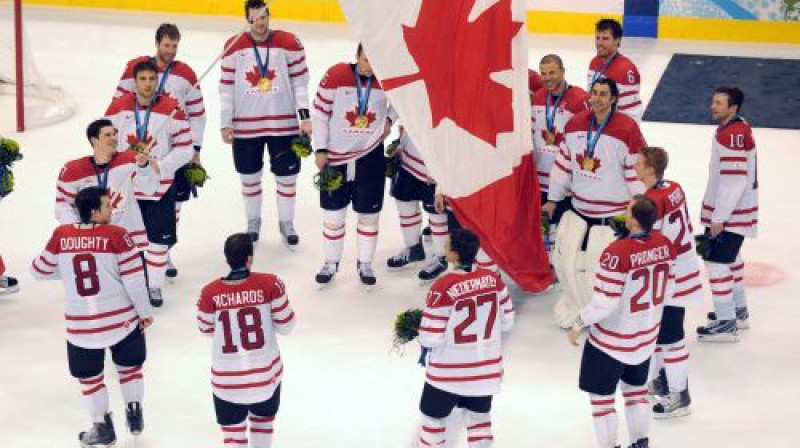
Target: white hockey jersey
point(243, 316)
point(634, 277)
point(674, 223)
point(601, 185)
point(251, 111)
point(623, 72)
point(104, 282)
point(411, 159)
point(121, 177)
point(172, 145)
point(731, 195)
point(181, 84)
point(546, 141)
point(465, 314)
point(337, 124)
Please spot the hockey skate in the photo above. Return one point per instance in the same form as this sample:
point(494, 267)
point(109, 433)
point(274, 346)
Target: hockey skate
point(156, 299)
point(742, 318)
point(325, 275)
point(133, 416)
point(288, 235)
point(673, 405)
point(101, 435)
point(172, 271)
point(253, 228)
point(366, 275)
point(719, 331)
point(8, 285)
point(433, 270)
point(659, 387)
point(407, 257)
point(641, 443)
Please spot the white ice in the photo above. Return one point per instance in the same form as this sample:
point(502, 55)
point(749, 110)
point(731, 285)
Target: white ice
point(343, 385)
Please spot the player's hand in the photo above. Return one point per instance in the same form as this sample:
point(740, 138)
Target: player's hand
point(716, 228)
point(438, 203)
point(227, 135)
point(144, 323)
point(321, 159)
point(549, 208)
point(574, 334)
point(387, 129)
point(305, 127)
point(154, 164)
point(196, 158)
point(142, 158)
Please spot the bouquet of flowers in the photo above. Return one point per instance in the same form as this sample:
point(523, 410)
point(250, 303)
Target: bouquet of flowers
point(406, 326)
point(328, 180)
point(301, 146)
point(9, 153)
point(392, 158)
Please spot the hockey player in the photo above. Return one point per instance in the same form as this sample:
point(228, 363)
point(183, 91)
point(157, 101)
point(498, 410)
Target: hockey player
point(264, 90)
point(552, 108)
point(596, 163)
point(243, 312)
point(106, 307)
point(730, 214)
point(671, 358)
point(178, 80)
point(636, 274)
point(109, 170)
point(351, 119)
point(8, 284)
point(144, 119)
point(465, 314)
point(610, 63)
point(411, 187)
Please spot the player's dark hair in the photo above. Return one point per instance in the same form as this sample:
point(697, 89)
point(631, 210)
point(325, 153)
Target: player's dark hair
point(253, 4)
point(88, 200)
point(94, 128)
point(167, 30)
point(144, 66)
point(238, 247)
point(465, 243)
point(735, 96)
point(612, 85)
point(550, 58)
point(644, 211)
point(609, 25)
point(656, 158)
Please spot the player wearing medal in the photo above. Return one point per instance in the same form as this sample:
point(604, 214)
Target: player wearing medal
point(264, 95)
point(552, 108)
point(610, 63)
point(178, 80)
point(730, 214)
point(351, 119)
point(596, 163)
point(145, 121)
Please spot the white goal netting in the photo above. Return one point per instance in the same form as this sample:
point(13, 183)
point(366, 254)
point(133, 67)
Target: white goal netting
point(45, 103)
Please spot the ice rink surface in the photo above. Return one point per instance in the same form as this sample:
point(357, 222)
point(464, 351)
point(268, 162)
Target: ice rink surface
point(343, 385)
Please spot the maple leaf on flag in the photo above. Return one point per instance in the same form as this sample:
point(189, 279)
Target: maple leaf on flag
point(456, 59)
point(254, 75)
point(352, 114)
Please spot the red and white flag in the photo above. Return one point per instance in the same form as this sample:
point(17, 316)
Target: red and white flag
point(456, 71)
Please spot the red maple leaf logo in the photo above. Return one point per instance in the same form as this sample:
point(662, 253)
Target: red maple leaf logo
point(351, 116)
point(559, 137)
point(254, 75)
point(455, 63)
point(594, 165)
point(134, 140)
point(117, 200)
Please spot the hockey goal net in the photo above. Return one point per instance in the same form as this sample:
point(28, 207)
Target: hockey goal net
point(39, 102)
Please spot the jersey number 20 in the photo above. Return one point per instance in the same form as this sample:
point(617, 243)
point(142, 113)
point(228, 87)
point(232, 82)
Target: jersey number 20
point(654, 280)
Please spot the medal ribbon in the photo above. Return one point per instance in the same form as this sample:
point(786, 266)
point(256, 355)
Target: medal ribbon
point(550, 112)
point(141, 128)
point(592, 138)
point(363, 96)
point(164, 76)
point(263, 65)
point(102, 180)
point(598, 74)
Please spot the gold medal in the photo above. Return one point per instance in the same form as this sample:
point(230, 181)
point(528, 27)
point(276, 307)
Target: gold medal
point(361, 121)
point(550, 138)
point(264, 85)
point(588, 164)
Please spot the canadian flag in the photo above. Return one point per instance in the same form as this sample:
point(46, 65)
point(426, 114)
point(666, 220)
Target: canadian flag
point(456, 71)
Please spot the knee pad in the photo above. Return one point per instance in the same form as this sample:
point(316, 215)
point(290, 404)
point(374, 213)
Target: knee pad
point(334, 219)
point(368, 219)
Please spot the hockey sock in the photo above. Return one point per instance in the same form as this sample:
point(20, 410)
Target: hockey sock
point(251, 193)
point(721, 279)
point(235, 436)
point(657, 361)
point(131, 382)
point(261, 431)
point(438, 222)
point(479, 429)
point(638, 411)
point(410, 221)
point(737, 269)
point(333, 234)
point(157, 257)
point(605, 420)
point(285, 195)
point(485, 262)
point(676, 365)
point(368, 236)
point(96, 394)
point(432, 433)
